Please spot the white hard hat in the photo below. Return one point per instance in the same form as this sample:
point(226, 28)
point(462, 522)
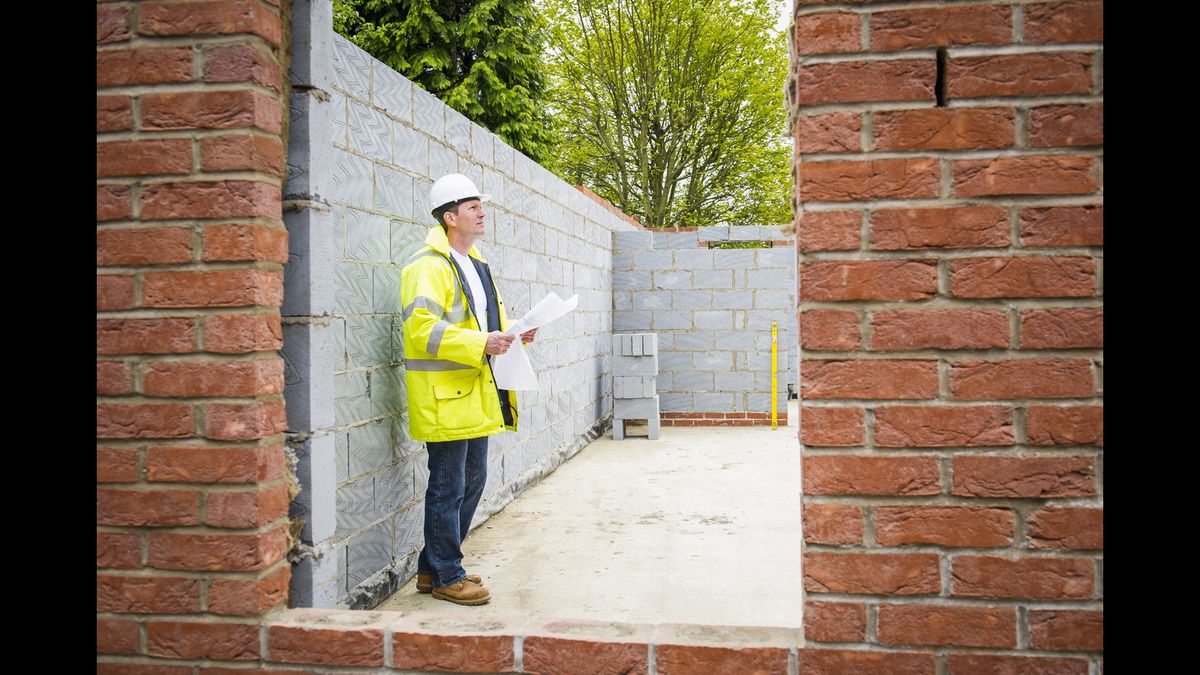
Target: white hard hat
point(451, 189)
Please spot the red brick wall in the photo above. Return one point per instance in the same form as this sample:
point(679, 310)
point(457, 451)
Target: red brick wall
point(951, 328)
point(191, 499)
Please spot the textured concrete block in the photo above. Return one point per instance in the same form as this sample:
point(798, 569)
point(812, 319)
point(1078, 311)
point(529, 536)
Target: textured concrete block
point(368, 340)
point(770, 279)
point(367, 236)
point(368, 552)
point(717, 279)
point(635, 408)
point(355, 506)
point(351, 67)
point(713, 402)
point(387, 390)
point(670, 319)
point(653, 260)
point(626, 280)
point(693, 341)
point(652, 300)
point(393, 92)
point(386, 289)
point(482, 144)
point(409, 527)
point(458, 131)
point(410, 149)
point(352, 176)
point(732, 299)
point(370, 132)
point(733, 258)
point(720, 319)
point(503, 157)
point(394, 488)
point(636, 365)
point(442, 160)
point(717, 361)
point(672, 280)
point(734, 381)
point(406, 239)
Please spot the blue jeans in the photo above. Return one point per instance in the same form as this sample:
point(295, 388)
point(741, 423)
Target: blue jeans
point(457, 472)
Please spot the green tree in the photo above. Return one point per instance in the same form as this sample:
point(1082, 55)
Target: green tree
point(481, 57)
point(673, 109)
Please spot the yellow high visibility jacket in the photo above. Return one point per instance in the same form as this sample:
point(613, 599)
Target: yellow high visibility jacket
point(452, 393)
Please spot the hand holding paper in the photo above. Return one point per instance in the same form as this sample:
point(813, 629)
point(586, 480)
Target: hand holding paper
point(512, 369)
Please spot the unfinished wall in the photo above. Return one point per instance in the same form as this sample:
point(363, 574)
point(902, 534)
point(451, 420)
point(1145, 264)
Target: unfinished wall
point(949, 161)
point(712, 309)
point(365, 147)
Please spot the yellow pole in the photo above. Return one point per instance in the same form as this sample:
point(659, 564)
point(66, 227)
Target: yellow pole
point(774, 377)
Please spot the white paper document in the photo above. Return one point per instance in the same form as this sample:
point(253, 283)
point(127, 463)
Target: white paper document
point(512, 369)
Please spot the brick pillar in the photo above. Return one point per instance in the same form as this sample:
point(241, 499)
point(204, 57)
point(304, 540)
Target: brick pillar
point(191, 500)
point(949, 222)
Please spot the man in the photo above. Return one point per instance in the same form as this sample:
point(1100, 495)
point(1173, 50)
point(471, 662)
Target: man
point(453, 319)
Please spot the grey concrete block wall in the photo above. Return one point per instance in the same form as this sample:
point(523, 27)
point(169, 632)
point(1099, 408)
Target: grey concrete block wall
point(712, 309)
point(365, 145)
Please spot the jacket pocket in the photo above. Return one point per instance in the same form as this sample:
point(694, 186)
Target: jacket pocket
point(452, 390)
point(459, 407)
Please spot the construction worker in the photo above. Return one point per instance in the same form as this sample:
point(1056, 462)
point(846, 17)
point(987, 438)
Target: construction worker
point(453, 320)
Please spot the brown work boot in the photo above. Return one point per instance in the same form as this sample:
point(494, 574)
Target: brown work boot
point(465, 592)
point(425, 582)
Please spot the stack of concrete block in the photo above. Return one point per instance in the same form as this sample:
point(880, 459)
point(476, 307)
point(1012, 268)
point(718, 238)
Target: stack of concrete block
point(635, 366)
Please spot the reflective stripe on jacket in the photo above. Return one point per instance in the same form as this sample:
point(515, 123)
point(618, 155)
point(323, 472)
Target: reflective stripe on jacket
point(452, 394)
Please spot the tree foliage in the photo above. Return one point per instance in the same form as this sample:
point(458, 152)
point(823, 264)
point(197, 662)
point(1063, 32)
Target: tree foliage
point(673, 109)
point(481, 57)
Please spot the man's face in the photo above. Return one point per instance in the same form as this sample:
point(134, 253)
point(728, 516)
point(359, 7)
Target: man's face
point(468, 219)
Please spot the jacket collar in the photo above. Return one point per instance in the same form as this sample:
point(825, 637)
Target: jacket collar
point(438, 241)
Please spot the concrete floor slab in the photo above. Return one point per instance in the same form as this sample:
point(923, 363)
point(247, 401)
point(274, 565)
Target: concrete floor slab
point(699, 527)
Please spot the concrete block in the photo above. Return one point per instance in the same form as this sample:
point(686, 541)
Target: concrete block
point(761, 402)
point(315, 240)
point(670, 319)
point(652, 300)
point(719, 319)
point(673, 362)
point(392, 92)
point(713, 402)
point(351, 67)
point(635, 408)
point(760, 319)
point(762, 341)
point(618, 429)
point(341, 446)
point(367, 236)
point(754, 360)
point(771, 279)
point(313, 124)
point(693, 341)
point(653, 260)
point(733, 258)
point(734, 341)
point(387, 389)
point(394, 488)
point(458, 131)
point(694, 259)
point(625, 386)
point(633, 240)
point(429, 113)
point(636, 365)
point(368, 552)
point(316, 582)
point(482, 144)
point(694, 381)
point(691, 300)
point(672, 280)
point(628, 280)
point(717, 279)
point(312, 353)
point(732, 299)
point(773, 300)
point(676, 240)
point(313, 49)
point(409, 528)
point(386, 289)
point(676, 402)
point(632, 320)
point(352, 176)
point(780, 256)
point(734, 381)
point(351, 400)
point(754, 233)
point(355, 506)
point(717, 361)
point(406, 239)
point(622, 261)
point(368, 340)
point(370, 132)
point(503, 157)
point(317, 502)
point(410, 149)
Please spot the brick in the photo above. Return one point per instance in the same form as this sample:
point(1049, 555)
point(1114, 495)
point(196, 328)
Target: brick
point(224, 199)
point(121, 67)
point(224, 17)
point(1066, 528)
point(960, 227)
point(832, 524)
point(991, 664)
point(114, 113)
point(141, 669)
point(114, 378)
point(243, 153)
point(112, 24)
point(890, 475)
point(117, 636)
point(118, 550)
point(1024, 477)
point(954, 526)
point(144, 246)
point(945, 128)
point(113, 202)
point(1023, 277)
point(1065, 425)
point(261, 671)
point(241, 333)
point(1022, 378)
point(147, 595)
point(454, 653)
point(116, 465)
point(1062, 328)
point(831, 427)
point(1028, 175)
point(872, 573)
point(850, 180)
point(246, 509)
point(835, 622)
point(244, 421)
point(693, 659)
point(144, 420)
point(943, 426)
point(829, 329)
point(558, 655)
point(1066, 125)
point(838, 280)
point(939, 329)
point(941, 27)
point(326, 646)
point(143, 508)
point(831, 132)
point(220, 641)
point(828, 32)
point(145, 336)
point(940, 625)
point(214, 378)
point(236, 597)
point(1018, 75)
point(873, 378)
point(860, 662)
point(829, 231)
point(866, 81)
point(213, 464)
point(1063, 226)
point(242, 63)
point(1070, 21)
point(1066, 629)
point(977, 576)
point(217, 552)
point(217, 288)
point(245, 242)
point(114, 292)
point(237, 109)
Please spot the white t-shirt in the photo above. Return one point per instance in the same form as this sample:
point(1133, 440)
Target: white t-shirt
point(478, 297)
